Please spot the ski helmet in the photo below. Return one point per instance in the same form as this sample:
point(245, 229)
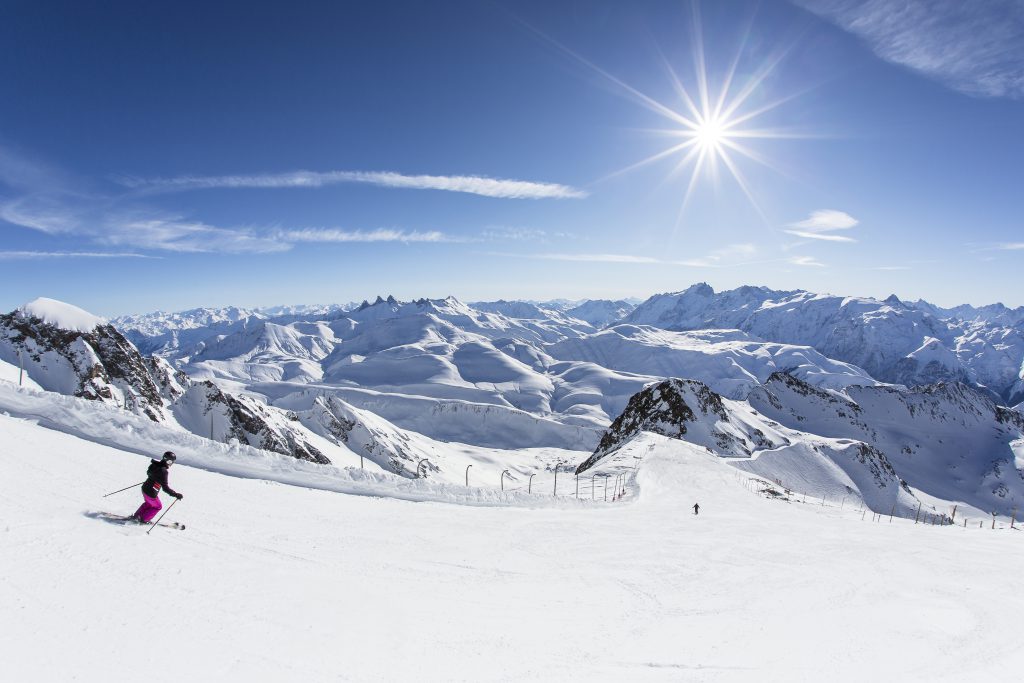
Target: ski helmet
point(170, 457)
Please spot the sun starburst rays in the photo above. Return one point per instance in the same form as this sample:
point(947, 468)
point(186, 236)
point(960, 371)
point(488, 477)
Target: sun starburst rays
point(709, 120)
point(712, 121)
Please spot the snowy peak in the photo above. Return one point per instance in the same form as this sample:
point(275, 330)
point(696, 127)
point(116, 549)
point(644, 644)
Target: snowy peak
point(601, 312)
point(60, 315)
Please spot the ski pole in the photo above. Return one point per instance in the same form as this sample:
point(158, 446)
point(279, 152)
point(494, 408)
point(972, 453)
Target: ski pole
point(124, 489)
point(153, 525)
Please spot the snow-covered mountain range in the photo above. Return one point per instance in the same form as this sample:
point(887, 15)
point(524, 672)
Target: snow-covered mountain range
point(811, 390)
point(905, 343)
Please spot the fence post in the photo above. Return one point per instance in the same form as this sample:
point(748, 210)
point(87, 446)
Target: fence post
point(916, 516)
point(577, 486)
point(418, 466)
point(842, 503)
point(862, 513)
point(503, 473)
point(892, 512)
point(555, 491)
point(953, 517)
point(467, 475)
point(21, 367)
point(529, 486)
point(592, 486)
point(1013, 519)
point(993, 520)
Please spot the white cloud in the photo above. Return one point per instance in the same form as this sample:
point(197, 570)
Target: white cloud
point(33, 255)
point(826, 220)
point(973, 46)
point(379, 235)
point(805, 261)
point(180, 235)
point(46, 213)
point(1011, 246)
point(478, 185)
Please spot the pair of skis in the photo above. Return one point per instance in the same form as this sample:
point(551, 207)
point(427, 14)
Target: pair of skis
point(127, 520)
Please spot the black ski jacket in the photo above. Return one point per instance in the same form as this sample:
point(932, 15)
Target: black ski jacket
point(156, 479)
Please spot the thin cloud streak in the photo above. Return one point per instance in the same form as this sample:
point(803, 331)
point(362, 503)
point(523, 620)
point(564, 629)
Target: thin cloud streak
point(720, 258)
point(972, 47)
point(380, 235)
point(477, 185)
point(819, 236)
point(805, 262)
point(33, 255)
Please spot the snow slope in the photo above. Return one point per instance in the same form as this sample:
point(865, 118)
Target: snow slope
point(729, 361)
point(273, 582)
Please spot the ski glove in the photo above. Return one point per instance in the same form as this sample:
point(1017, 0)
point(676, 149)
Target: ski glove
point(179, 496)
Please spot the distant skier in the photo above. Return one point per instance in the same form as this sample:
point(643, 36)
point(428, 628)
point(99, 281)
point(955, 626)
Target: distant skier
point(696, 508)
point(156, 479)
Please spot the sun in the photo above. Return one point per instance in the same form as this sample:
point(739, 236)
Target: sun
point(710, 134)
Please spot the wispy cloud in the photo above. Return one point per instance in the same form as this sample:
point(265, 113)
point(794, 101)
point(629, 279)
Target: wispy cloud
point(725, 257)
point(380, 235)
point(34, 255)
point(729, 255)
point(820, 223)
point(974, 47)
point(174, 233)
point(805, 261)
point(981, 247)
point(478, 185)
point(598, 258)
point(522, 234)
point(820, 236)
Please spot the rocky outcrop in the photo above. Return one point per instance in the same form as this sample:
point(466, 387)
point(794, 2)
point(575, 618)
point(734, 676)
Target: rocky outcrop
point(95, 361)
point(685, 409)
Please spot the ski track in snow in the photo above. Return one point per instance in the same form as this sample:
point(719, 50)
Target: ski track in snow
point(275, 582)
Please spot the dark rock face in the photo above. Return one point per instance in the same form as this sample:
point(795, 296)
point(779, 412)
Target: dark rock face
point(102, 365)
point(99, 360)
point(250, 422)
point(660, 408)
point(878, 465)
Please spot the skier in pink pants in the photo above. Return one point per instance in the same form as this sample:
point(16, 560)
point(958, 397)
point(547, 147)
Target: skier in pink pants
point(156, 479)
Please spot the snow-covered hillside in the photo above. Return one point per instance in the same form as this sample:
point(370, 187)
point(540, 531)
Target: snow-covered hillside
point(946, 440)
point(810, 463)
point(273, 582)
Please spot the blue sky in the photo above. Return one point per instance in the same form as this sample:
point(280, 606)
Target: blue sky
point(173, 155)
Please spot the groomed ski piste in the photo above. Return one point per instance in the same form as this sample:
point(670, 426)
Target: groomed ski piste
point(297, 571)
